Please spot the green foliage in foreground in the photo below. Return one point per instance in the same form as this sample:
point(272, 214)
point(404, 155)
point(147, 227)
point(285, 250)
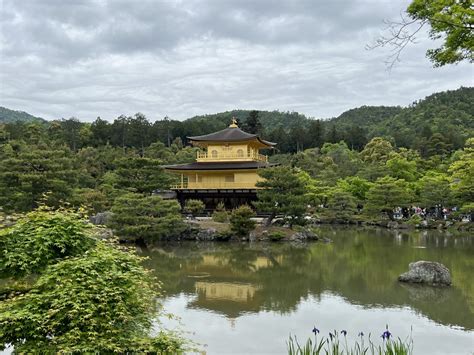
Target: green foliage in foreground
point(146, 217)
point(335, 346)
point(241, 222)
point(99, 301)
point(42, 238)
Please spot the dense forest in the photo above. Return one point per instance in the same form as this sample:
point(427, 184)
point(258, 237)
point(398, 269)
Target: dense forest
point(440, 121)
point(421, 152)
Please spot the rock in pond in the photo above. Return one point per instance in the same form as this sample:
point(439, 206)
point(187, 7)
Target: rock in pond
point(427, 272)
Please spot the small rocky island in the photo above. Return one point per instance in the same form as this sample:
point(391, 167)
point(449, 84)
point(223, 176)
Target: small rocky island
point(427, 272)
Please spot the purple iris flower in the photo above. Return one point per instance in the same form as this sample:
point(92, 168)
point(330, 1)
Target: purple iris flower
point(344, 332)
point(315, 330)
point(386, 335)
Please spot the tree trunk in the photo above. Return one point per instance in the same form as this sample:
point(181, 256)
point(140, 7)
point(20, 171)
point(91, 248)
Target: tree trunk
point(269, 220)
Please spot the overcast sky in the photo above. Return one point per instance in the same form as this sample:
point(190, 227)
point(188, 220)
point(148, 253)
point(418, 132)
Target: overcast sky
point(63, 58)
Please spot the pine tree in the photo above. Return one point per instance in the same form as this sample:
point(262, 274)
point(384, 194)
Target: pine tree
point(282, 192)
point(252, 124)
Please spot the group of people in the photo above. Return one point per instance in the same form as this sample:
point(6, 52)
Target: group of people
point(437, 212)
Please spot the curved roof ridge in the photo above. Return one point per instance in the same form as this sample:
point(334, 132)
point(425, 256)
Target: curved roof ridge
point(229, 134)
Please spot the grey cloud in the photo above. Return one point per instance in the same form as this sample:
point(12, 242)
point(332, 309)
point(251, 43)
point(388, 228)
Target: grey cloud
point(180, 58)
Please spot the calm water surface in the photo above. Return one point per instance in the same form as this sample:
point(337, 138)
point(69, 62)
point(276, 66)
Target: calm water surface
point(247, 298)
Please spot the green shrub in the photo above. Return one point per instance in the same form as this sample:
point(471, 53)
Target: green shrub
point(101, 302)
point(93, 200)
point(415, 220)
point(194, 207)
point(240, 220)
point(223, 236)
point(40, 239)
point(220, 214)
point(146, 217)
point(276, 236)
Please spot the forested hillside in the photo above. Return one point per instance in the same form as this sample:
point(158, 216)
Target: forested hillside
point(442, 119)
point(7, 115)
point(420, 152)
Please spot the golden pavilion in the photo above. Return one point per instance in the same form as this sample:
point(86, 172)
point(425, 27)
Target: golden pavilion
point(225, 170)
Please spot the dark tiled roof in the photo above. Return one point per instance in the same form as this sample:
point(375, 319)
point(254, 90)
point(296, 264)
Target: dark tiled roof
point(220, 166)
point(230, 134)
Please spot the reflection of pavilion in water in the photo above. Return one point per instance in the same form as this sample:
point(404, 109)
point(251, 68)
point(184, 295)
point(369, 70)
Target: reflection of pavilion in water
point(226, 291)
point(229, 298)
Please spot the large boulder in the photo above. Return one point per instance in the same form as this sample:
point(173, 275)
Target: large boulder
point(101, 218)
point(305, 234)
point(427, 272)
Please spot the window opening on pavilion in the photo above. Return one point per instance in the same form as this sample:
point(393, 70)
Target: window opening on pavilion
point(214, 153)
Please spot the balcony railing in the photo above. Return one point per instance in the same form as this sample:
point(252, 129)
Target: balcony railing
point(220, 156)
point(213, 185)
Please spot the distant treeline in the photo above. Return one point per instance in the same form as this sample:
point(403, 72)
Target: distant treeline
point(439, 124)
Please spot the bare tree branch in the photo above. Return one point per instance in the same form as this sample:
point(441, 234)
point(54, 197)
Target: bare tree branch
point(401, 33)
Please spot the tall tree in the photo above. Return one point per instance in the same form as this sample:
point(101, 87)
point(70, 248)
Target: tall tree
point(142, 175)
point(30, 174)
point(148, 218)
point(252, 123)
point(386, 194)
point(282, 192)
point(316, 133)
point(462, 174)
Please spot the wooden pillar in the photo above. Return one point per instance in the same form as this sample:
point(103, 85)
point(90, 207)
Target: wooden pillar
point(182, 180)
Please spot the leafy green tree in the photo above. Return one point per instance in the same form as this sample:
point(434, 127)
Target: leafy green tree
point(437, 145)
point(282, 191)
point(376, 151)
point(103, 302)
point(194, 207)
point(450, 20)
point(386, 194)
point(462, 174)
point(355, 185)
point(401, 168)
point(42, 238)
point(341, 205)
point(148, 218)
point(240, 220)
point(434, 189)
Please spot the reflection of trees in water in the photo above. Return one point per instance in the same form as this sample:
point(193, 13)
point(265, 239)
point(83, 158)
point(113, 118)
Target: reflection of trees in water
point(362, 266)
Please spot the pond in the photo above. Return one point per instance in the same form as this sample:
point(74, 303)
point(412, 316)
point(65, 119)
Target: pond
point(248, 298)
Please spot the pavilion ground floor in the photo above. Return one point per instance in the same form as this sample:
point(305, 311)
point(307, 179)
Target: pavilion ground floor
point(232, 198)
